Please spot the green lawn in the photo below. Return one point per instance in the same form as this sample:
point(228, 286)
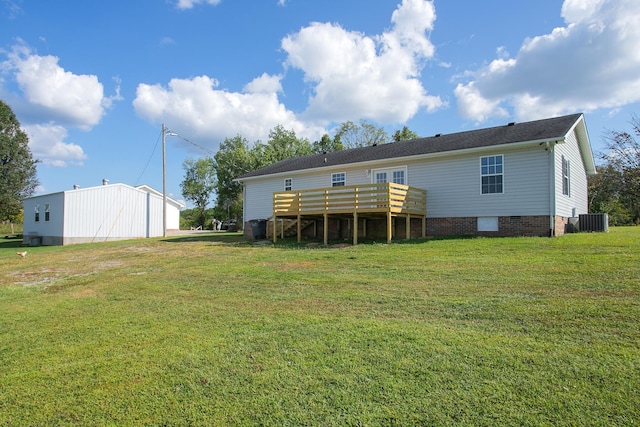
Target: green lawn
point(214, 330)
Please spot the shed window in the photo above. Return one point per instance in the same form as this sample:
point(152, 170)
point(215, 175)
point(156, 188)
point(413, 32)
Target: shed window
point(37, 213)
point(339, 179)
point(491, 173)
point(46, 212)
point(288, 184)
point(566, 190)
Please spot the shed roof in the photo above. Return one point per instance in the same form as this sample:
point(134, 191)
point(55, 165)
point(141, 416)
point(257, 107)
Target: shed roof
point(539, 130)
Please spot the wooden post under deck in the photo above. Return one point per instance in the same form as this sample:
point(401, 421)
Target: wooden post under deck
point(325, 229)
point(408, 227)
point(299, 229)
point(389, 226)
point(355, 227)
point(275, 228)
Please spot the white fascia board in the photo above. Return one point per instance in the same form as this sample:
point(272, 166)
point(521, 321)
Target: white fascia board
point(584, 144)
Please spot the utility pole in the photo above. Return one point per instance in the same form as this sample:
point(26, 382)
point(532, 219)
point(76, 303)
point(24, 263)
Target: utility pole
point(164, 182)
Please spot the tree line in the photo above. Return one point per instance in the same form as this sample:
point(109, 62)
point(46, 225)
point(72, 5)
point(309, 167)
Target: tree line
point(615, 189)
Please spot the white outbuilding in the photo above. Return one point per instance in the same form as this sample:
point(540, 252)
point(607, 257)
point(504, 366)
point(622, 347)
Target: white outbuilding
point(98, 214)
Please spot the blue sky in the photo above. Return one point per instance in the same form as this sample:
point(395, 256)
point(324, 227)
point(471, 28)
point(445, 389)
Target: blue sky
point(92, 82)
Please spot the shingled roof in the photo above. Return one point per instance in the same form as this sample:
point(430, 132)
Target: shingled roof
point(539, 130)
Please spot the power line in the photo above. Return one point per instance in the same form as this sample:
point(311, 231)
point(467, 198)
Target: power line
point(148, 161)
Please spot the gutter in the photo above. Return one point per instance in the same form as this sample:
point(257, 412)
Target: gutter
point(552, 187)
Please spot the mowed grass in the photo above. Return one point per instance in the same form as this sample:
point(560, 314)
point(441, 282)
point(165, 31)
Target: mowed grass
point(215, 330)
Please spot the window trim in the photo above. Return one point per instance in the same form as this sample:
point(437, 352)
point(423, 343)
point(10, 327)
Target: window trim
point(566, 176)
point(483, 175)
point(290, 186)
point(336, 183)
point(390, 172)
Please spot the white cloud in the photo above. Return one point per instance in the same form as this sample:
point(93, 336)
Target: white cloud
point(47, 144)
point(264, 84)
point(188, 4)
point(54, 93)
point(354, 76)
point(196, 108)
point(592, 62)
point(50, 99)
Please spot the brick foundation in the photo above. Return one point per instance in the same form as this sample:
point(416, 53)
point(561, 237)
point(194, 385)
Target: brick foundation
point(376, 228)
point(507, 226)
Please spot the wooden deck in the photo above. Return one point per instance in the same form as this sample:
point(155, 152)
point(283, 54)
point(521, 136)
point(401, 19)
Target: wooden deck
point(386, 200)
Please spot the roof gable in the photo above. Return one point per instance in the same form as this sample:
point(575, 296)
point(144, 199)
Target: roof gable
point(513, 133)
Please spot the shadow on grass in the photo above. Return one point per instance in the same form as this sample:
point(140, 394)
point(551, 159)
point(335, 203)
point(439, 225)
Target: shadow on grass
point(11, 241)
point(291, 242)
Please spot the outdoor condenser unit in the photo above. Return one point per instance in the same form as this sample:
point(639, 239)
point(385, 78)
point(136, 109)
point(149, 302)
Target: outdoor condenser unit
point(593, 222)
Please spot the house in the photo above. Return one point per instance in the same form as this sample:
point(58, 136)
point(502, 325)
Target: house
point(518, 179)
point(97, 214)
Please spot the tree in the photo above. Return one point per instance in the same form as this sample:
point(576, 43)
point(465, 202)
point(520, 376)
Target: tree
point(284, 144)
point(364, 134)
point(618, 187)
point(199, 184)
point(233, 159)
point(18, 173)
point(404, 135)
point(327, 145)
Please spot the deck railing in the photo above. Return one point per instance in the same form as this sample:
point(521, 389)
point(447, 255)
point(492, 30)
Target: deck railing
point(388, 198)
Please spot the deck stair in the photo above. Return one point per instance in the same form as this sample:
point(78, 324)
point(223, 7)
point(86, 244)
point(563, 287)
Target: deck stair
point(289, 227)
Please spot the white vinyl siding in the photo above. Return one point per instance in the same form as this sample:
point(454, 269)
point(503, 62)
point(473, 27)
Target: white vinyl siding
point(452, 185)
point(577, 197)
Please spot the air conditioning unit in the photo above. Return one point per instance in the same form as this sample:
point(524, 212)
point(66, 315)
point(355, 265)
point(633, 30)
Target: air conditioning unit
point(593, 222)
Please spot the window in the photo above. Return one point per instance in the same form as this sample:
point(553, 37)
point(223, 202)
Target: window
point(491, 172)
point(288, 184)
point(37, 212)
point(381, 177)
point(338, 179)
point(565, 177)
point(46, 212)
point(398, 177)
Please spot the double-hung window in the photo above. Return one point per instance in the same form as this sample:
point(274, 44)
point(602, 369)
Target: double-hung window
point(566, 172)
point(492, 174)
point(339, 179)
point(37, 213)
point(288, 184)
point(46, 212)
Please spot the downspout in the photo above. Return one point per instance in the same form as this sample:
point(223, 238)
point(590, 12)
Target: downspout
point(552, 190)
